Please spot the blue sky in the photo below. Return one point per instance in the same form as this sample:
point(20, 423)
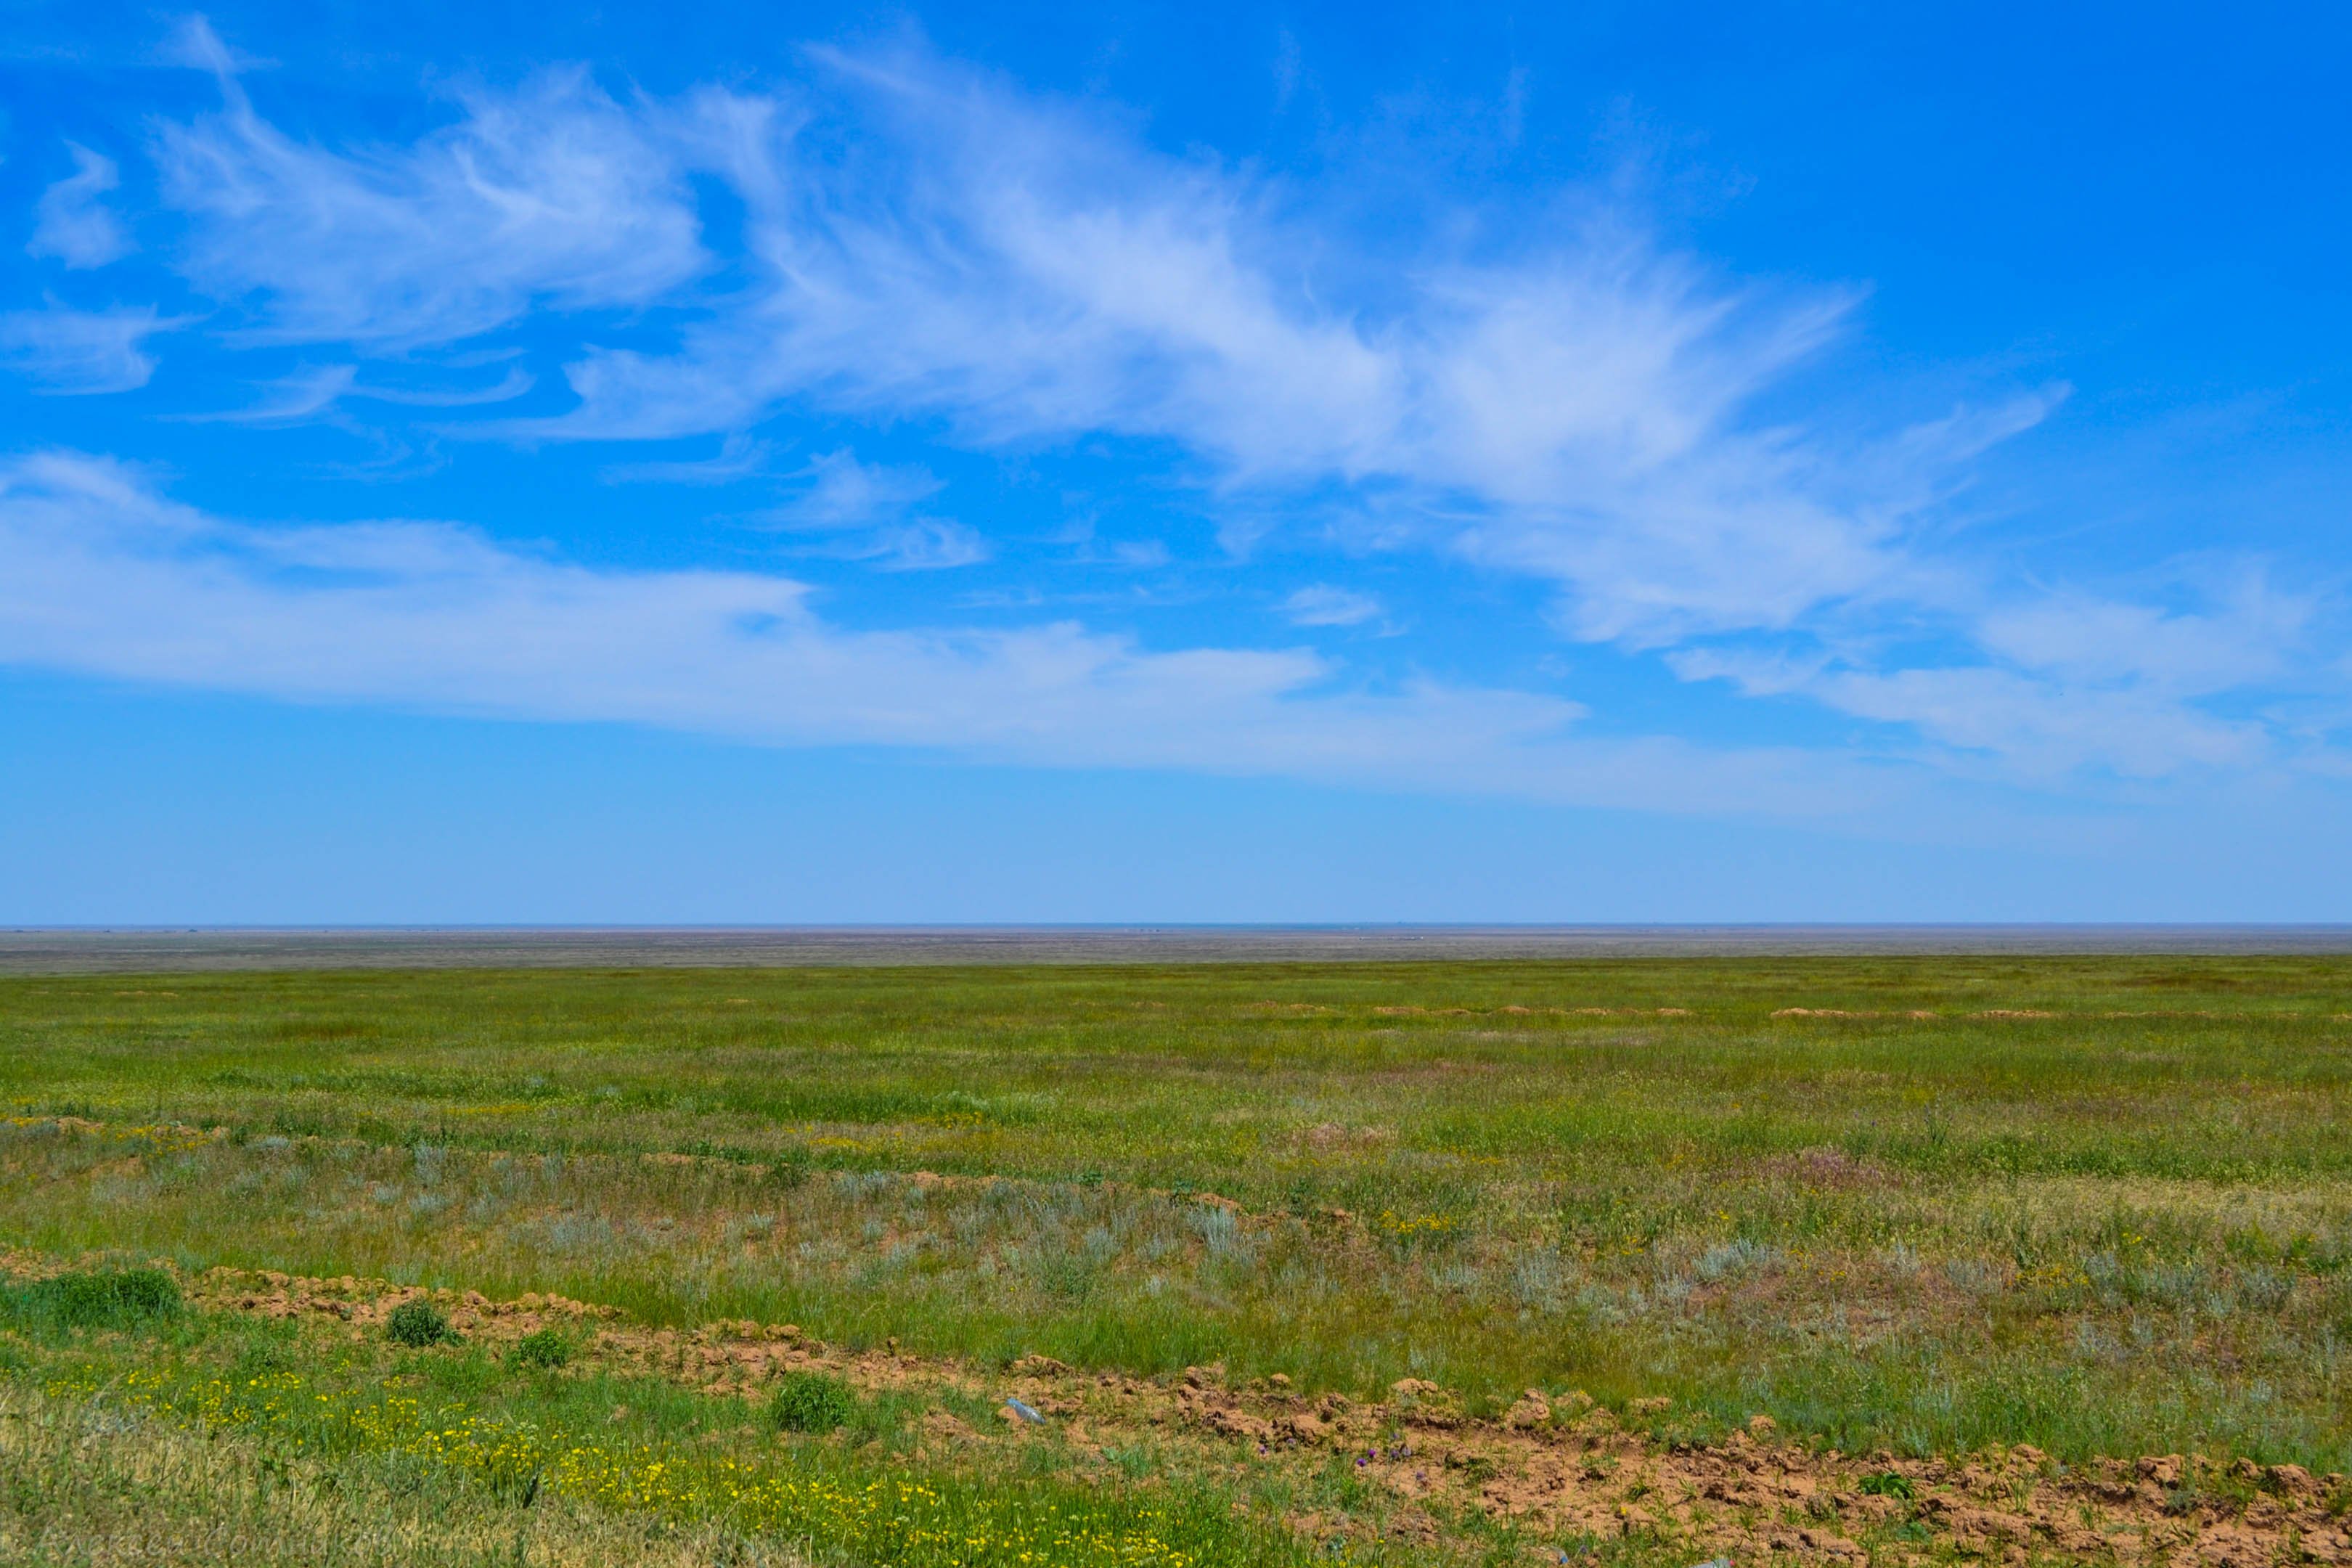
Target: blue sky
point(1195, 463)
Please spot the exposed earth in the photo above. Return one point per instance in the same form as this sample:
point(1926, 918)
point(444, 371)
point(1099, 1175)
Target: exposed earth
point(1553, 1468)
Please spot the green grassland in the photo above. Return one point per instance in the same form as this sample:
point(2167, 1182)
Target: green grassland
point(2102, 1206)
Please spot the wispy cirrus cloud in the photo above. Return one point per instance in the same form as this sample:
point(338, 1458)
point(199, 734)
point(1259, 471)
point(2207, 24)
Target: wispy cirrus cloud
point(82, 352)
point(738, 458)
point(924, 246)
point(1573, 407)
point(2243, 630)
point(550, 196)
point(836, 491)
point(317, 392)
point(1569, 409)
point(2068, 681)
point(870, 509)
point(109, 576)
point(1326, 605)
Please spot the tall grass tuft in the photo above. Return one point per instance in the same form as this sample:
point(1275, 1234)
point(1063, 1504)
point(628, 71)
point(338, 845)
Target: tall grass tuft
point(94, 1298)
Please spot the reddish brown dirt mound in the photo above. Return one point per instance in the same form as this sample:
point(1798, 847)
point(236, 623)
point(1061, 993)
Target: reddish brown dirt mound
point(1561, 1467)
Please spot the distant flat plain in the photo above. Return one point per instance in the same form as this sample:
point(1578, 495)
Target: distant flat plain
point(1278, 1226)
point(157, 949)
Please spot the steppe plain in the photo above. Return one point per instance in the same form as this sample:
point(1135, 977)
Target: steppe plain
point(1893, 1257)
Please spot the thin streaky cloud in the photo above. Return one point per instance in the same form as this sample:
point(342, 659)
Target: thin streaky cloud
point(195, 44)
point(1029, 275)
point(318, 392)
point(1327, 605)
point(928, 257)
point(82, 352)
point(309, 393)
point(506, 389)
point(871, 509)
point(550, 196)
point(113, 578)
point(922, 544)
point(836, 491)
point(738, 458)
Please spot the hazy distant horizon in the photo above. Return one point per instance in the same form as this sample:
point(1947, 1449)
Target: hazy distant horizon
point(128, 948)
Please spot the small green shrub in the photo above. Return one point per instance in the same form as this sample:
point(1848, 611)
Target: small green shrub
point(97, 1298)
point(419, 1324)
point(544, 1348)
point(814, 1402)
point(1886, 1483)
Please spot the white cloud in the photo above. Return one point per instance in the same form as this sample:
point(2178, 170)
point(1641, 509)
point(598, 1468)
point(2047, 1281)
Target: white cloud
point(552, 194)
point(108, 576)
point(2248, 635)
point(193, 44)
point(513, 383)
point(1001, 265)
point(1576, 411)
point(842, 492)
point(72, 223)
point(72, 351)
point(317, 392)
point(2046, 728)
point(922, 244)
point(306, 394)
point(738, 458)
point(1088, 547)
point(871, 506)
point(1323, 604)
point(919, 544)
point(2081, 683)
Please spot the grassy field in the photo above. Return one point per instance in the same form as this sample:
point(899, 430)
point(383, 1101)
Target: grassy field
point(1917, 1206)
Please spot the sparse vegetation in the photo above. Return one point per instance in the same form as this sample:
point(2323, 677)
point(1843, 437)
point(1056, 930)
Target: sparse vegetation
point(1920, 1206)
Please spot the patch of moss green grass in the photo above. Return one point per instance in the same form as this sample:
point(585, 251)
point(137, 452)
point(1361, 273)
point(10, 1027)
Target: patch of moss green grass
point(2098, 1205)
point(92, 1299)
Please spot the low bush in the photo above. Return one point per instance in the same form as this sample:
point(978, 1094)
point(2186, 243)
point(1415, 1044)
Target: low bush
point(814, 1402)
point(544, 1348)
point(419, 1324)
